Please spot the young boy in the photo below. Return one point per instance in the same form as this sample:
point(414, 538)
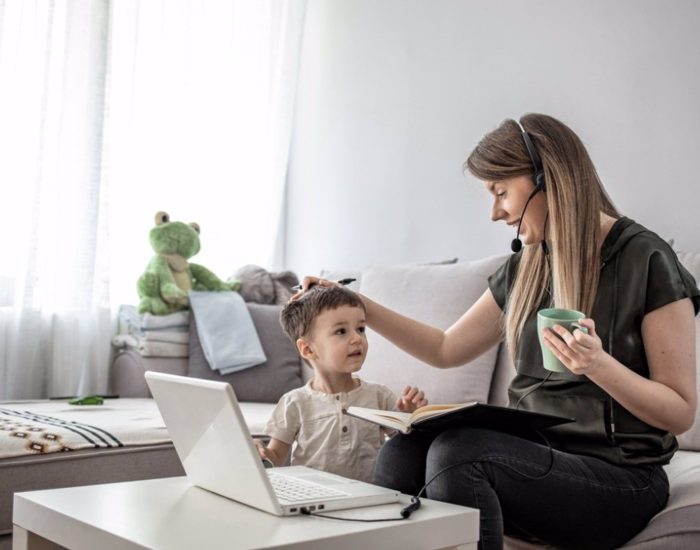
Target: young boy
point(327, 324)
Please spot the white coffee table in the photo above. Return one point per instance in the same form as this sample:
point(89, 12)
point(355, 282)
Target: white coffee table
point(171, 514)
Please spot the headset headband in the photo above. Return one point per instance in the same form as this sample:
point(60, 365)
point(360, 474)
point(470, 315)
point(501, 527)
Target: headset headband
point(534, 156)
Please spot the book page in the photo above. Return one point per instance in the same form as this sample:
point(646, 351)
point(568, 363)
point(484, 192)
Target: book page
point(402, 417)
point(431, 410)
point(391, 419)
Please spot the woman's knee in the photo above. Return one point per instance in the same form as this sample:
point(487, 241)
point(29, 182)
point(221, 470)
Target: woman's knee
point(456, 468)
point(401, 463)
point(463, 445)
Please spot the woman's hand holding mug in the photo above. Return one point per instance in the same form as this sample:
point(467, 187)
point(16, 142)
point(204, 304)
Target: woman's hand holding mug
point(569, 341)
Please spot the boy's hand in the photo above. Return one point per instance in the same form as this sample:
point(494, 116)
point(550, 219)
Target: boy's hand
point(275, 453)
point(411, 399)
point(263, 450)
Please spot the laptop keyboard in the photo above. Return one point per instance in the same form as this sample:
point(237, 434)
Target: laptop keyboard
point(292, 489)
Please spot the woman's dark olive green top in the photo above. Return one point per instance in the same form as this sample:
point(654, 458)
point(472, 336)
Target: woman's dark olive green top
point(639, 273)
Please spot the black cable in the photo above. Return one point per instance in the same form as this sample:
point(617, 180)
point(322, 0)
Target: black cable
point(537, 387)
point(405, 513)
point(478, 461)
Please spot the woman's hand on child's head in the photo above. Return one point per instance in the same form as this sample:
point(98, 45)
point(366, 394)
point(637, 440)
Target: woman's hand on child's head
point(411, 399)
point(307, 282)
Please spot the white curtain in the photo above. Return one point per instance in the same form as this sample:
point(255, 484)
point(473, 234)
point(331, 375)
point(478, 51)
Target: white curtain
point(109, 112)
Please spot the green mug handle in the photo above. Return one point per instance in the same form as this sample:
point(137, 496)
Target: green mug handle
point(580, 327)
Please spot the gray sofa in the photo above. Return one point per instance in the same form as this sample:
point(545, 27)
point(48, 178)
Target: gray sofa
point(437, 294)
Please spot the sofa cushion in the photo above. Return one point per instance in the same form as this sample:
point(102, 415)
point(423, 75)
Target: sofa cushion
point(691, 261)
point(126, 373)
point(256, 416)
point(348, 273)
point(690, 440)
point(437, 295)
point(678, 524)
point(266, 382)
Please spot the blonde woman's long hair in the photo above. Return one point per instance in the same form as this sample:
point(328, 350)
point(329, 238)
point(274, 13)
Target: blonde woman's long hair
point(575, 200)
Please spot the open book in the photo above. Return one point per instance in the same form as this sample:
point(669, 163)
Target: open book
point(476, 415)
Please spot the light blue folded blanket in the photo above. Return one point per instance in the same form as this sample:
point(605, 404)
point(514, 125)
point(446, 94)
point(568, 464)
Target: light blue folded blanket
point(130, 321)
point(226, 331)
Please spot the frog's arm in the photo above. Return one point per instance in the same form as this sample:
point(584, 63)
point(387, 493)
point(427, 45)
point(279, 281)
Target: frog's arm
point(203, 279)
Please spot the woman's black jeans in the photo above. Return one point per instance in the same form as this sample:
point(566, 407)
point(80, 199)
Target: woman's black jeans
point(526, 489)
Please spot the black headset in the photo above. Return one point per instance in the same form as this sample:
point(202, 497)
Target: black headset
point(537, 178)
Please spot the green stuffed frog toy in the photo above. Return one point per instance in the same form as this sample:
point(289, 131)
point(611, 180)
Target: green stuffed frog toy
point(169, 276)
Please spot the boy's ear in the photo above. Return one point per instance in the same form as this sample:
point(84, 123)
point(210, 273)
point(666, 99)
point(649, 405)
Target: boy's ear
point(304, 348)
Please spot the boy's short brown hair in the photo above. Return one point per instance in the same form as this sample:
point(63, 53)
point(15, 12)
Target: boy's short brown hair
point(298, 316)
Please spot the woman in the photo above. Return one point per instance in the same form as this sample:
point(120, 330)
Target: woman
point(630, 380)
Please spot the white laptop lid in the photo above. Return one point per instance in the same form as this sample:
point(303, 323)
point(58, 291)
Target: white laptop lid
point(217, 451)
point(212, 439)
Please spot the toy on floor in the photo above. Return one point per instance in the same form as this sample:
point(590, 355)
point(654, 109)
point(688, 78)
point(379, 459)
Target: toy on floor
point(87, 400)
point(168, 278)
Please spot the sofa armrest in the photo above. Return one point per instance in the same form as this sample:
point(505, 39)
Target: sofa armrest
point(126, 374)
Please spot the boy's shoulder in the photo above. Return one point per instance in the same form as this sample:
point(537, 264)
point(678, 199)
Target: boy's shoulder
point(378, 391)
point(293, 399)
point(297, 394)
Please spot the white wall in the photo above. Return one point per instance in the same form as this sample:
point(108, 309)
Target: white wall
point(394, 94)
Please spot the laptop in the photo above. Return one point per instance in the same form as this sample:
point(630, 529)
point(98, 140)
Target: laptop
point(216, 449)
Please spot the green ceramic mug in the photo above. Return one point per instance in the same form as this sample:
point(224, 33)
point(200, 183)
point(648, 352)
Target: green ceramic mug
point(547, 318)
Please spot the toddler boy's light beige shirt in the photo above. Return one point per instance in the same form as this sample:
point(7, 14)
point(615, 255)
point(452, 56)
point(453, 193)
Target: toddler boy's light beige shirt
point(324, 438)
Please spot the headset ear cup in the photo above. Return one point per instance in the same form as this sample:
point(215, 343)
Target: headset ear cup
point(539, 181)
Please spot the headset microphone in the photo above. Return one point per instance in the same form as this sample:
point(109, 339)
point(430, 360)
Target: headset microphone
point(538, 179)
point(516, 244)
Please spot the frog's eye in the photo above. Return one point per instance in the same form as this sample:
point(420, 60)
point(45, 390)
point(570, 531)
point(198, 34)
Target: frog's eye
point(195, 226)
point(162, 217)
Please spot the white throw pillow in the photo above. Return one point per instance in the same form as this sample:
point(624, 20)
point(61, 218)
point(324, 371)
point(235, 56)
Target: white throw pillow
point(690, 440)
point(691, 261)
point(437, 295)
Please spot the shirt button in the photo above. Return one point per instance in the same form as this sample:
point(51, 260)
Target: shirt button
point(345, 429)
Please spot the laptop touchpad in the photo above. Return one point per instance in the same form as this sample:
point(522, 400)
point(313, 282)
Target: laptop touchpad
point(325, 479)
